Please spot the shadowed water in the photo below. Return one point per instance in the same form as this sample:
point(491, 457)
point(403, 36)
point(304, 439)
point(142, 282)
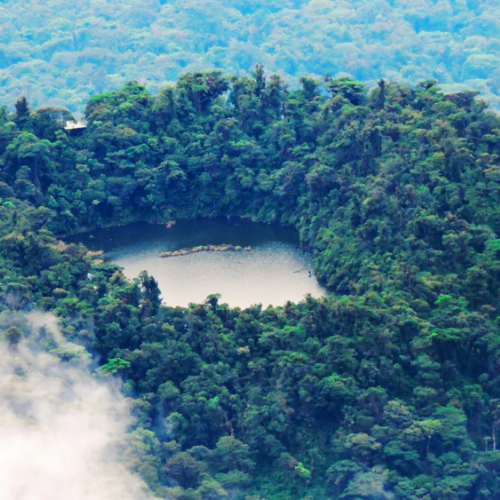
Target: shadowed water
point(274, 272)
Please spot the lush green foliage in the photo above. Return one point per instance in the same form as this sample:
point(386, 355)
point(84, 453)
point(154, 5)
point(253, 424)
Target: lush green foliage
point(60, 55)
point(388, 388)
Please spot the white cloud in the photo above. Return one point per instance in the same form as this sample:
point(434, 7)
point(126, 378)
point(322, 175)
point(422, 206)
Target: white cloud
point(60, 428)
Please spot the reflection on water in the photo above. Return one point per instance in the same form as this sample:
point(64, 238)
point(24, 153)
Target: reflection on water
point(274, 272)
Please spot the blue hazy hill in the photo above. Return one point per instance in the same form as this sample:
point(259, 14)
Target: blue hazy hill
point(57, 54)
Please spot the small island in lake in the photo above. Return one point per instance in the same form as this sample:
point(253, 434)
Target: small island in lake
point(204, 248)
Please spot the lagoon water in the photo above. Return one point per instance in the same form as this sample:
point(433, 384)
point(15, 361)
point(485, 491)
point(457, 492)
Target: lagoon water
point(274, 272)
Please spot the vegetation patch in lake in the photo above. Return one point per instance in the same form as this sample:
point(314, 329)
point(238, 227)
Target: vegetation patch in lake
point(204, 248)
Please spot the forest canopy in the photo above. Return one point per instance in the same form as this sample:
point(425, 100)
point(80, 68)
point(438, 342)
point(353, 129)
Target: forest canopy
point(59, 55)
point(388, 388)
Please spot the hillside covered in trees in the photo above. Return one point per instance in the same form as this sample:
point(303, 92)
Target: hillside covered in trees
point(60, 55)
point(388, 388)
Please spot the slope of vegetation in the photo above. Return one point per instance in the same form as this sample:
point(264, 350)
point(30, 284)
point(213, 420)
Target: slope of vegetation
point(58, 55)
point(387, 388)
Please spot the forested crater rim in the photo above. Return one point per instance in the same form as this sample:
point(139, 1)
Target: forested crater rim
point(389, 385)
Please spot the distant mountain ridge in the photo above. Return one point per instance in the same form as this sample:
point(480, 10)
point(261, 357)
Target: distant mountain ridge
point(58, 57)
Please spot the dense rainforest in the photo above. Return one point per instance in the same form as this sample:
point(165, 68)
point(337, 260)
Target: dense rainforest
point(60, 55)
point(388, 388)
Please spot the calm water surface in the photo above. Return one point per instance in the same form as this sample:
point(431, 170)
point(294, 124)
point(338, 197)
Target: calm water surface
point(275, 271)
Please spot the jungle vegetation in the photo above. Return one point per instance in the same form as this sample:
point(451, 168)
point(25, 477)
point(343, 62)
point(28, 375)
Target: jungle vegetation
point(388, 388)
point(59, 55)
